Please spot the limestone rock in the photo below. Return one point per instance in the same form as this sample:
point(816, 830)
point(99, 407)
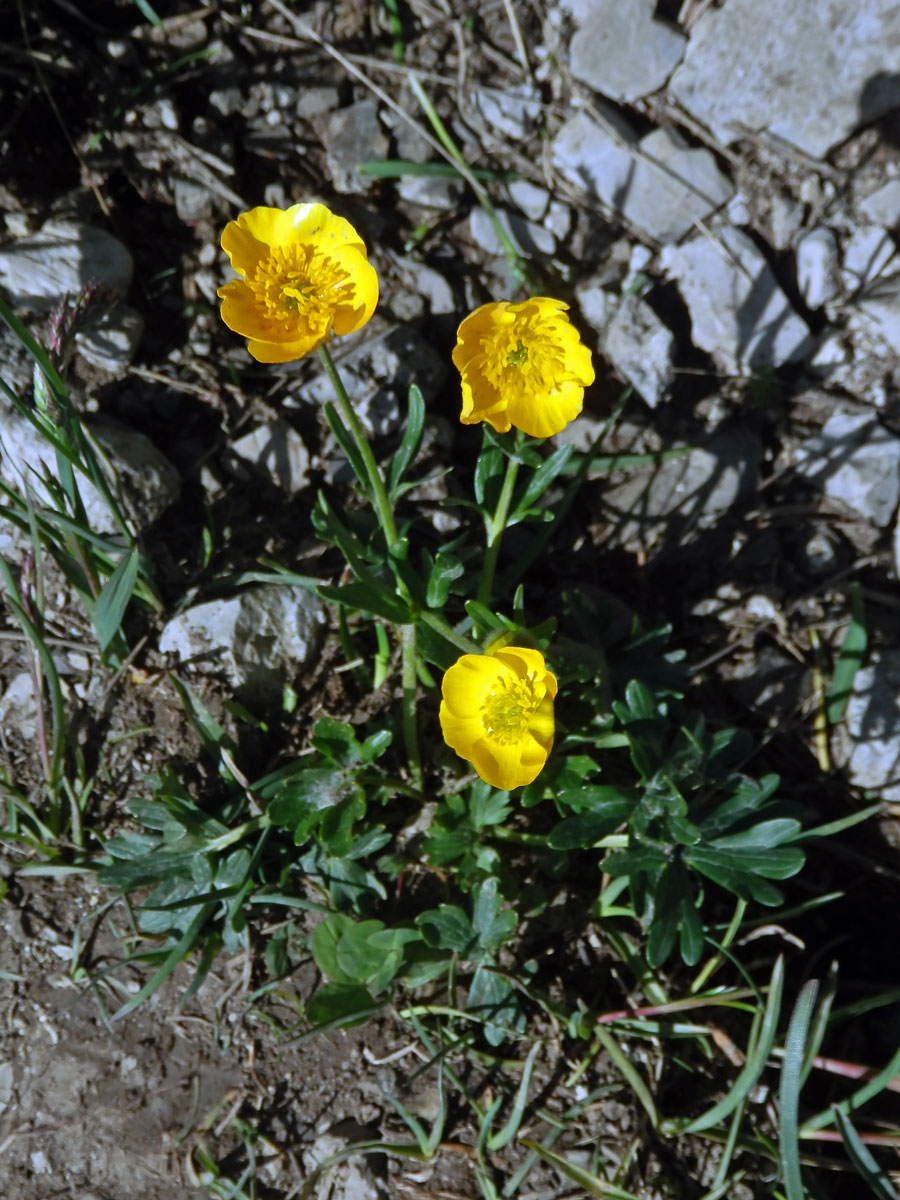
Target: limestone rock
point(809, 72)
point(62, 258)
point(621, 51)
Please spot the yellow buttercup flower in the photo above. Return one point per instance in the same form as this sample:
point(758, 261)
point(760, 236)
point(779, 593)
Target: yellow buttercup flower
point(522, 365)
point(304, 274)
point(497, 712)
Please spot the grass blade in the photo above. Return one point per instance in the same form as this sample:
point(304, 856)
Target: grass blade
point(756, 1058)
point(114, 598)
point(853, 649)
point(789, 1094)
point(859, 1154)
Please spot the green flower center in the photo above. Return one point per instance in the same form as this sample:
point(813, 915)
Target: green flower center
point(517, 357)
point(508, 709)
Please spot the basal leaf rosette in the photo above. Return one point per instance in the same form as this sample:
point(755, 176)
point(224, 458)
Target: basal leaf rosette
point(497, 712)
point(522, 365)
point(304, 275)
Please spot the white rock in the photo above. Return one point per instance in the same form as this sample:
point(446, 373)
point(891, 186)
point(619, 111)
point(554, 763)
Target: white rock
point(62, 258)
point(559, 220)
point(258, 639)
point(430, 192)
point(787, 217)
point(622, 52)
point(856, 461)
point(527, 237)
point(831, 354)
point(278, 451)
point(18, 711)
point(510, 111)
point(882, 207)
point(640, 347)
point(867, 253)
point(111, 343)
point(529, 198)
point(676, 499)
point(808, 72)
point(739, 314)
point(596, 303)
point(817, 267)
point(871, 749)
point(147, 480)
point(659, 183)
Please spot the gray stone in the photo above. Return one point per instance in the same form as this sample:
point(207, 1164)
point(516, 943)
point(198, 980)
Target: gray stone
point(558, 220)
point(18, 711)
point(377, 374)
point(786, 218)
point(870, 748)
point(349, 1180)
point(111, 343)
point(640, 347)
point(622, 52)
point(510, 111)
point(855, 461)
point(147, 481)
point(658, 183)
point(817, 267)
point(193, 201)
point(314, 101)
point(808, 72)
point(684, 494)
point(259, 638)
point(527, 237)
point(867, 253)
point(529, 198)
point(277, 451)
point(61, 259)
point(429, 283)
point(226, 100)
point(353, 135)
point(882, 207)
point(430, 192)
point(739, 314)
point(878, 308)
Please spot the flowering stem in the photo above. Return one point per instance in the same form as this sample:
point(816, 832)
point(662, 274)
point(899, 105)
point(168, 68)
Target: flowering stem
point(386, 520)
point(495, 529)
point(351, 420)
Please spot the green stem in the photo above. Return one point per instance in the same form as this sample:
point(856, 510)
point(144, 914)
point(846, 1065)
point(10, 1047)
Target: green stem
point(386, 519)
point(409, 679)
point(495, 532)
point(379, 494)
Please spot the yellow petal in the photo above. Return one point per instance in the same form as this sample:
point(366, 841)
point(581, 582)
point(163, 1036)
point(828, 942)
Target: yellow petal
point(248, 239)
point(467, 683)
point(502, 766)
point(241, 312)
point(543, 415)
point(364, 280)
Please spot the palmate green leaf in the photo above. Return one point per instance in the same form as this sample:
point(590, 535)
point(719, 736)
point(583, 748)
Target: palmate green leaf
point(674, 911)
point(495, 1001)
point(487, 805)
point(777, 862)
point(725, 871)
point(587, 828)
point(594, 798)
point(763, 836)
point(340, 1003)
point(303, 798)
point(493, 926)
point(446, 570)
point(634, 861)
point(748, 797)
point(448, 928)
point(340, 947)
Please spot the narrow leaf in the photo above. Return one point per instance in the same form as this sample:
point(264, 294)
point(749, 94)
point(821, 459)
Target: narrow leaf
point(114, 598)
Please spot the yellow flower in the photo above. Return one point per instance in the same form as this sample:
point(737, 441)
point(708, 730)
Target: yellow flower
point(522, 365)
point(304, 273)
point(497, 712)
